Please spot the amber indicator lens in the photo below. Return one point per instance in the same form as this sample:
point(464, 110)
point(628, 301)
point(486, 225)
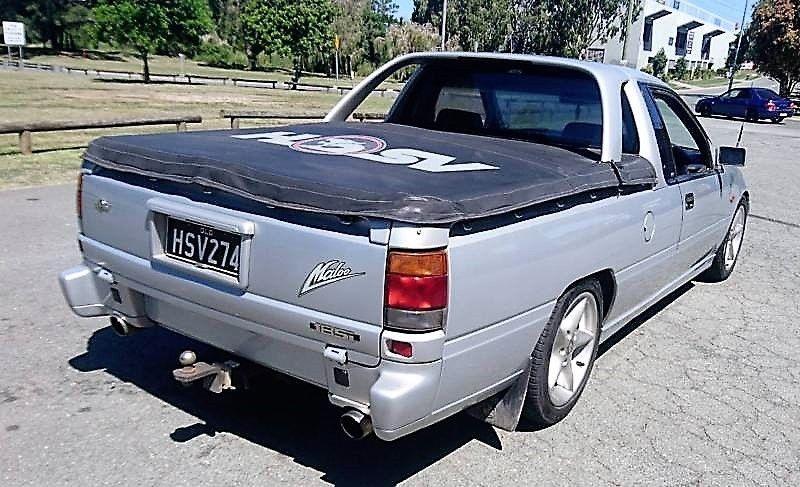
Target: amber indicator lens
point(418, 264)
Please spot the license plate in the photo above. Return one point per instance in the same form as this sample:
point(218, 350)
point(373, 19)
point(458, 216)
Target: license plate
point(203, 246)
point(784, 114)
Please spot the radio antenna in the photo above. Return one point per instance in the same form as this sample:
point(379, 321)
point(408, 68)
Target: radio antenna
point(739, 139)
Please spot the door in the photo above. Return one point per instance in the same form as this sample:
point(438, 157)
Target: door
point(725, 103)
point(740, 103)
point(688, 160)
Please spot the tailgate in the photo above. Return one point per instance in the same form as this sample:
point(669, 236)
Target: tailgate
point(327, 278)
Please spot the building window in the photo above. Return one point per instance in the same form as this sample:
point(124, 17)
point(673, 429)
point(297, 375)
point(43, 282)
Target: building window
point(676, 4)
point(647, 36)
point(680, 42)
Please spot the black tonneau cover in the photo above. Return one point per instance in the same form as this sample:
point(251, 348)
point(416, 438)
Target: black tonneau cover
point(379, 170)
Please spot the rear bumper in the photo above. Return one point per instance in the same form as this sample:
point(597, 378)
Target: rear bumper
point(788, 112)
point(398, 396)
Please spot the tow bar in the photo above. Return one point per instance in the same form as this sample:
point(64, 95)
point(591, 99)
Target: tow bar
point(216, 377)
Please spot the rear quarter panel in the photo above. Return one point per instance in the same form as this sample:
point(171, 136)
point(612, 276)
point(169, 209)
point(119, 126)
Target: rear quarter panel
point(504, 282)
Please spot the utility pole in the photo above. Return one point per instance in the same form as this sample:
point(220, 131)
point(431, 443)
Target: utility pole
point(738, 45)
point(444, 23)
point(629, 13)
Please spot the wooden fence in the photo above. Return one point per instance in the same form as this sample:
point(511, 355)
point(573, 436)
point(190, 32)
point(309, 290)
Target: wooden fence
point(236, 115)
point(193, 79)
point(25, 129)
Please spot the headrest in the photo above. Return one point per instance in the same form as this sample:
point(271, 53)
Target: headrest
point(583, 134)
point(453, 120)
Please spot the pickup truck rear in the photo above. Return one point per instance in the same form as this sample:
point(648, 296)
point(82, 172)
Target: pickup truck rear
point(470, 252)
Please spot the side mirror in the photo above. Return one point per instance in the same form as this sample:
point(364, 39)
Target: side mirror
point(732, 156)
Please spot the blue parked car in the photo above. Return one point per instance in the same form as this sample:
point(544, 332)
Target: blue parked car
point(749, 103)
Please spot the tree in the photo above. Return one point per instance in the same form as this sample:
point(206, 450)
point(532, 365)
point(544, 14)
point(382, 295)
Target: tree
point(482, 25)
point(775, 41)
point(744, 51)
point(376, 18)
point(405, 38)
point(681, 68)
point(427, 12)
point(152, 26)
point(659, 63)
point(261, 29)
point(299, 28)
point(49, 21)
point(568, 27)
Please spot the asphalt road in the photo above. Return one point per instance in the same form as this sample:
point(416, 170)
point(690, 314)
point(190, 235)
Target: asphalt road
point(702, 390)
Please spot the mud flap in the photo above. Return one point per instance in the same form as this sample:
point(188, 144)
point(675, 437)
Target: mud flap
point(504, 409)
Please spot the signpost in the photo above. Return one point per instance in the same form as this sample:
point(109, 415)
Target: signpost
point(14, 35)
point(336, 44)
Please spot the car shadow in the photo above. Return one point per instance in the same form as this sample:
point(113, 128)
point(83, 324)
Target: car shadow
point(642, 318)
point(279, 413)
point(289, 416)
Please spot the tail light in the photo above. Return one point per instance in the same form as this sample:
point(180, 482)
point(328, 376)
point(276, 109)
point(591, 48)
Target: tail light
point(771, 106)
point(79, 196)
point(416, 290)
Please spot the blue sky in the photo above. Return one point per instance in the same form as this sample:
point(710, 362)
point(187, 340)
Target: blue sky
point(728, 9)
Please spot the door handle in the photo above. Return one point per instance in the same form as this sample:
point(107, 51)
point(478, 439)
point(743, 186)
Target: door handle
point(689, 200)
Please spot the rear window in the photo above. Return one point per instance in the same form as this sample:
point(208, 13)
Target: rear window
point(549, 105)
point(765, 93)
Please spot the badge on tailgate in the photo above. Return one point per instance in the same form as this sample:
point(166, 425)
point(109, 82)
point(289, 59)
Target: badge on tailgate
point(326, 273)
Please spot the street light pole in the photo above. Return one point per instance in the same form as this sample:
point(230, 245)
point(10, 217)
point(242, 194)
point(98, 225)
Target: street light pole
point(444, 23)
point(738, 45)
point(628, 15)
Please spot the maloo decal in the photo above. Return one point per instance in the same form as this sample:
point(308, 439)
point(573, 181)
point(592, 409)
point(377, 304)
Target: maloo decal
point(368, 148)
point(326, 273)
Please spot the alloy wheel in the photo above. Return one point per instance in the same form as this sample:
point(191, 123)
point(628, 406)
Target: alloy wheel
point(572, 349)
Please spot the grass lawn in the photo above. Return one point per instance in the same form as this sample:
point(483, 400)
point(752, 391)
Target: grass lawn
point(741, 75)
point(34, 96)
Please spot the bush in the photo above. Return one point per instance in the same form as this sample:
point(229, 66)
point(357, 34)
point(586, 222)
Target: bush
point(659, 63)
point(681, 70)
point(647, 69)
point(222, 56)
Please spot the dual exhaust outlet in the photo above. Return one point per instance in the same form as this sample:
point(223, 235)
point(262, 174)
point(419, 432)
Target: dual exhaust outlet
point(355, 424)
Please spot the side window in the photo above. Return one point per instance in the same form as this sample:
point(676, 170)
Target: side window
point(731, 94)
point(630, 136)
point(678, 133)
point(684, 147)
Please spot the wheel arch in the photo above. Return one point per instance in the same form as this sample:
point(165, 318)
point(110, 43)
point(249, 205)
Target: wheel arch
point(608, 286)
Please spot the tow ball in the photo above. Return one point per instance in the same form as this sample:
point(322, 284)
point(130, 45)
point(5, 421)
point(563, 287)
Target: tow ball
point(216, 377)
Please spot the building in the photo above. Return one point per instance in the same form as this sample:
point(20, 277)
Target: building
point(681, 28)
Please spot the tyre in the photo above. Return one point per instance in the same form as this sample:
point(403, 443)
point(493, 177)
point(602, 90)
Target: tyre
point(564, 355)
point(751, 116)
point(728, 252)
point(705, 111)
point(777, 120)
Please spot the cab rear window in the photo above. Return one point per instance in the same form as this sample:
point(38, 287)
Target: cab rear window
point(545, 104)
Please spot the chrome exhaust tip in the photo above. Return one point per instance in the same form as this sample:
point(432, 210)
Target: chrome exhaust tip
point(355, 424)
point(120, 326)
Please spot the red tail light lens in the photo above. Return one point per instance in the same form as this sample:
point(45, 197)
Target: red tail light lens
point(404, 349)
point(416, 293)
point(771, 106)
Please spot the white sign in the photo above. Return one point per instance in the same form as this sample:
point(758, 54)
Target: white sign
point(14, 33)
